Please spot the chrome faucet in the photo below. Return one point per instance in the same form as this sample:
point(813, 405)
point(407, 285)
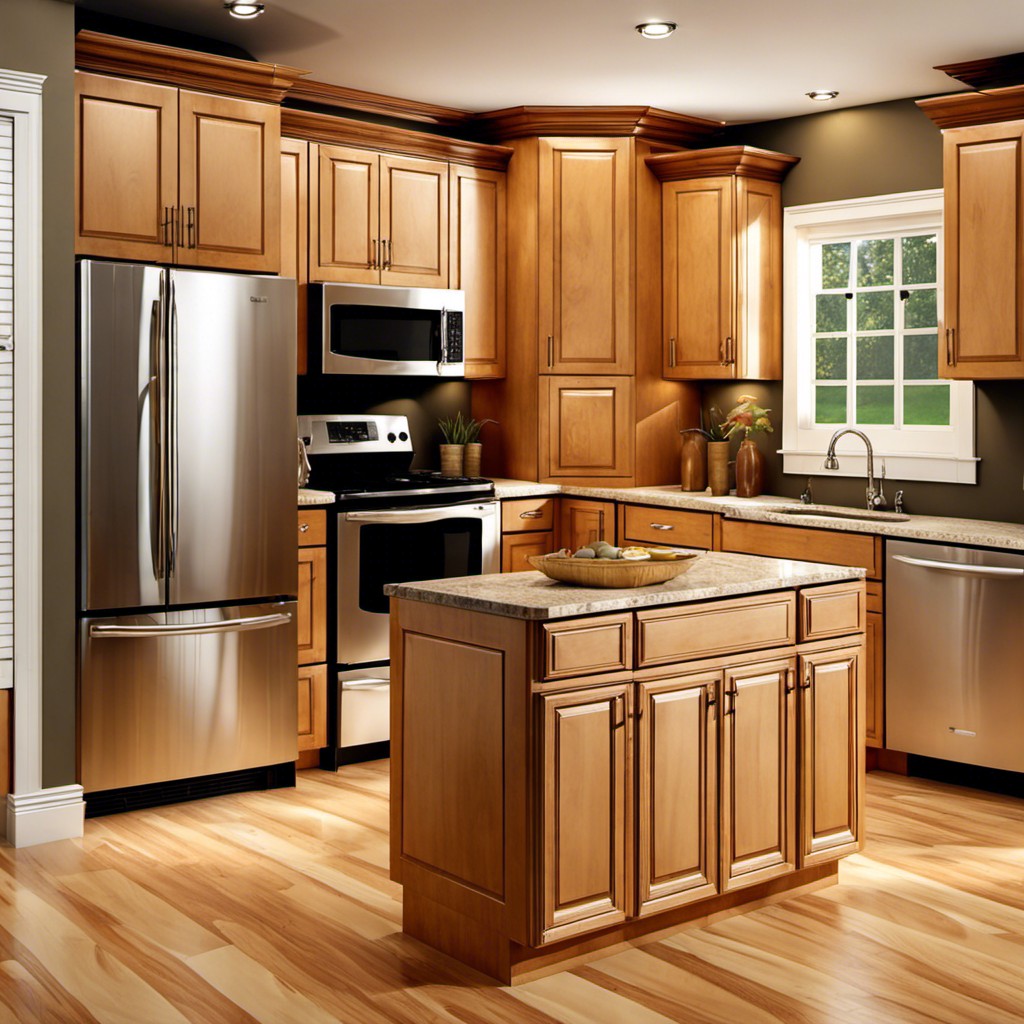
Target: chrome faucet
point(875, 496)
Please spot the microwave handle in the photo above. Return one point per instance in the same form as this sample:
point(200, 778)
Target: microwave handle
point(427, 515)
point(444, 339)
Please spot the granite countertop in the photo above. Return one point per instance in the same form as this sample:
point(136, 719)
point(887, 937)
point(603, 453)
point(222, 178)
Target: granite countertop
point(941, 529)
point(308, 496)
point(531, 595)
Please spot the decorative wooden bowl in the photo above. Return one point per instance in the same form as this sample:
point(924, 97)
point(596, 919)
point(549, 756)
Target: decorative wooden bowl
point(612, 572)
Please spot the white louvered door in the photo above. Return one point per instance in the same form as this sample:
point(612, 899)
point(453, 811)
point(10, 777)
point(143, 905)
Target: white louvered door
point(6, 400)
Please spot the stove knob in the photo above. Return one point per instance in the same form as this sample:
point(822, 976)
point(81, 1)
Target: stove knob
point(403, 436)
point(391, 438)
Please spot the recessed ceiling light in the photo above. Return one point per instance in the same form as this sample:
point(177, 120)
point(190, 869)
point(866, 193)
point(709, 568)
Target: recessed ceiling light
point(823, 95)
point(244, 8)
point(656, 29)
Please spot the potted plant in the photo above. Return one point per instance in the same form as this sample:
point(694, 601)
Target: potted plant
point(745, 419)
point(718, 452)
point(454, 431)
point(472, 448)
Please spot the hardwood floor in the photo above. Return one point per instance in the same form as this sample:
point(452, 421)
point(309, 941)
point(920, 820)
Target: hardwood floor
point(276, 907)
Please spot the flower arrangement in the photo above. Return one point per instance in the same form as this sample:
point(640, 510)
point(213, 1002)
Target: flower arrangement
point(747, 418)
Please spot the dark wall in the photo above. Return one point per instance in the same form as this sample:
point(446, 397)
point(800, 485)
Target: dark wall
point(865, 151)
point(38, 36)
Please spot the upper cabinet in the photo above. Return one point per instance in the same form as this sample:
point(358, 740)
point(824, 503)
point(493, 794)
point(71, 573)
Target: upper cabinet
point(295, 231)
point(176, 176)
point(983, 225)
point(722, 262)
point(378, 219)
point(584, 279)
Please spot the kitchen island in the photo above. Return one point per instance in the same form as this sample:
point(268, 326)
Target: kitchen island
point(574, 769)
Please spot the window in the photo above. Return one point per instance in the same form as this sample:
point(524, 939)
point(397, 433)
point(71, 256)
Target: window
point(863, 296)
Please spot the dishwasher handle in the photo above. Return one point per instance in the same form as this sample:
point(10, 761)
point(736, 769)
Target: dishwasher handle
point(991, 571)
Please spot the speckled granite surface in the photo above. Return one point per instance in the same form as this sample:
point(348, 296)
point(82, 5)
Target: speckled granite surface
point(307, 496)
point(531, 595)
point(977, 532)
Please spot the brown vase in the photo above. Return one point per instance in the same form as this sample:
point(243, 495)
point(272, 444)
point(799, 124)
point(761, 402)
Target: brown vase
point(451, 459)
point(694, 461)
point(471, 459)
point(749, 470)
point(718, 467)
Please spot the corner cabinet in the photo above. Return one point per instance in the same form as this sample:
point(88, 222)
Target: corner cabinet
point(722, 262)
point(175, 176)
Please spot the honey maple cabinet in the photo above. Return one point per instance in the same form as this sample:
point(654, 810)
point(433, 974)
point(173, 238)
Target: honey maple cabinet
point(377, 218)
point(665, 527)
point(295, 232)
point(582, 521)
point(311, 620)
point(722, 262)
point(176, 176)
point(527, 528)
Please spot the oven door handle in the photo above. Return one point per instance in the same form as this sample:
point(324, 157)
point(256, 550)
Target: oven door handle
point(426, 515)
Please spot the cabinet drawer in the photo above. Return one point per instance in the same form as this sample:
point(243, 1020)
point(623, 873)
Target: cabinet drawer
point(516, 548)
point(312, 527)
point(832, 611)
point(527, 514)
point(665, 527)
point(585, 646)
point(718, 627)
point(804, 544)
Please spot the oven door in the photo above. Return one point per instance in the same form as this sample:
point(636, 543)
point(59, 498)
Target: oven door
point(402, 546)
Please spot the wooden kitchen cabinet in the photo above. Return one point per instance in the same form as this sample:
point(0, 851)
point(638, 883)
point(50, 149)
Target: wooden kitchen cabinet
point(176, 176)
point(582, 522)
point(527, 528)
point(758, 780)
point(477, 246)
point(516, 548)
point(584, 268)
point(874, 665)
point(377, 218)
point(312, 610)
point(587, 780)
point(295, 232)
point(722, 262)
point(831, 737)
point(312, 700)
point(677, 790)
point(665, 527)
point(586, 424)
point(311, 627)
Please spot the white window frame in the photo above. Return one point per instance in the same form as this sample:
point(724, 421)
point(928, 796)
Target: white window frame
point(935, 454)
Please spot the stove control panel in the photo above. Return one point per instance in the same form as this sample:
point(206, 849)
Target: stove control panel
point(352, 434)
point(349, 433)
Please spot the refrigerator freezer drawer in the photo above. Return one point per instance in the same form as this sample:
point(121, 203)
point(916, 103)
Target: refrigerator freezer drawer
point(180, 694)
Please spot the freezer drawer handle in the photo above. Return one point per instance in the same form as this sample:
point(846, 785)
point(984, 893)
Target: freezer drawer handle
point(994, 571)
point(192, 629)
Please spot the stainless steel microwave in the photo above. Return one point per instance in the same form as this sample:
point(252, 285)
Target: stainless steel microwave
point(375, 329)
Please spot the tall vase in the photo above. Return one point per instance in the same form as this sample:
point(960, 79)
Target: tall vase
point(451, 459)
point(749, 470)
point(471, 459)
point(694, 461)
point(718, 467)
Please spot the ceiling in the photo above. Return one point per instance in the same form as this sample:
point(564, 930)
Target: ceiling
point(733, 60)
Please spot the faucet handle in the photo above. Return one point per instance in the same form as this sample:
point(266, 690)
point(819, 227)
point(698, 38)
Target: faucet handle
point(806, 497)
point(878, 500)
point(898, 501)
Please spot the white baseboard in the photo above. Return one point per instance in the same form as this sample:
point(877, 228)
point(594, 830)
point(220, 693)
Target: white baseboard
point(45, 816)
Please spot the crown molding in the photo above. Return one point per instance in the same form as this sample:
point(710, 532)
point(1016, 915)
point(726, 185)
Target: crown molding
point(326, 95)
point(345, 131)
point(962, 109)
point(170, 65)
point(989, 72)
point(740, 161)
point(642, 122)
point(21, 81)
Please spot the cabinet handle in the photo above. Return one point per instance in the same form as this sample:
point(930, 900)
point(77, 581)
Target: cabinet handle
point(951, 346)
point(712, 700)
point(534, 514)
point(168, 221)
point(551, 350)
point(671, 352)
point(303, 527)
point(385, 246)
point(806, 684)
point(730, 702)
point(372, 262)
point(661, 526)
point(620, 711)
point(730, 356)
point(179, 227)
point(191, 227)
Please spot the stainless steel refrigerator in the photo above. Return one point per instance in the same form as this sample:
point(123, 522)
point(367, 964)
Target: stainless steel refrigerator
point(188, 575)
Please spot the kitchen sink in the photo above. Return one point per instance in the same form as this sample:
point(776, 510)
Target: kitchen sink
point(840, 512)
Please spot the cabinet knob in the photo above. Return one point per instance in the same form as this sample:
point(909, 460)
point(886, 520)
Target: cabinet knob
point(303, 527)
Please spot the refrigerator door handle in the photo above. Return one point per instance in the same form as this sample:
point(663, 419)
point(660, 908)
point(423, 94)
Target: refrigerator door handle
point(156, 469)
point(172, 433)
point(100, 631)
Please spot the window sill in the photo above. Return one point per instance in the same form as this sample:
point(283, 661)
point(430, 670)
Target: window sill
point(932, 468)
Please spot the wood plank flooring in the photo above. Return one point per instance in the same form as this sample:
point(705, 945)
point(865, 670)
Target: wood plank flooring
point(276, 907)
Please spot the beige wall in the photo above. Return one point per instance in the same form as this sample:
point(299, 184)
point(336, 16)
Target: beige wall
point(38, 36)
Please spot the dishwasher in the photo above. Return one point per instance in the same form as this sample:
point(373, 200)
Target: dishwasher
point(954, 651)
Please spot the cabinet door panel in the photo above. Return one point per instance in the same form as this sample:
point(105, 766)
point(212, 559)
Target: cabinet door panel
point(585, 290)
point(414, 222)
point(983, 177)
point(582, 522)
point(587, 427)
point(477, 253)
point(698, 274)
point(586, 781)
point(311, 614)
point(874, 686)
point(831, 726)
point(758, 819)
point(517, 547)
point(126, 180)
point(295, 231)
point(344, 236)
point(757, 345)
point(677, 812)
point(229, 183)
point(312, 701)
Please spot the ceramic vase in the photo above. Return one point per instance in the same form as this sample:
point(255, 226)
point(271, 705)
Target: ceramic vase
point(718, 467)
point(694, 461)
point(451, 459)
point(749, 470)
point(471, 459)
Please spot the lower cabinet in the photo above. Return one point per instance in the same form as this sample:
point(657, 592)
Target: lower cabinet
point(311, 621)
point(527, 528)
point(582, 522)
point(312, 700)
